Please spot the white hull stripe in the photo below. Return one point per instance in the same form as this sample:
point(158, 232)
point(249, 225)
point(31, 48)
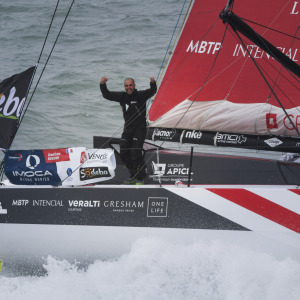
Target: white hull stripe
point(283, 197)
point(248, 207)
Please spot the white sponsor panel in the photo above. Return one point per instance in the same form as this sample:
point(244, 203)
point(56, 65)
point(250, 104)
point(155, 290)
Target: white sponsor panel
point(87, 166)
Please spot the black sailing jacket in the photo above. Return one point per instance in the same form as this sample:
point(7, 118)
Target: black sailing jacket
point(133, 106)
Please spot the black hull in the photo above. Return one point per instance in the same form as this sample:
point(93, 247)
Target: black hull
point(207, 168)
point(99, 222)
point(108, 206)
point(238, 200)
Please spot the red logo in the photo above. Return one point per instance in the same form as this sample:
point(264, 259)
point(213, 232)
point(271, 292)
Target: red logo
point(56, 155)
point(83, 157)
point(271, 121)
point(19, 155)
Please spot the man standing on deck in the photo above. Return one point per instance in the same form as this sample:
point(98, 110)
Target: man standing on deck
point(133, 103)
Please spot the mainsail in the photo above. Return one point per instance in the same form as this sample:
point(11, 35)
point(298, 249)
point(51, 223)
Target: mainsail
point(211, 84)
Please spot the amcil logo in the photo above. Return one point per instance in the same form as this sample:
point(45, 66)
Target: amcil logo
point(230, 138)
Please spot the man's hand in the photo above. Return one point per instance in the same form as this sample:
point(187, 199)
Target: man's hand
point(103, 80)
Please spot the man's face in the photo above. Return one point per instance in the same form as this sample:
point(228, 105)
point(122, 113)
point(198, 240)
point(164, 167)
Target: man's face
point(129, 86)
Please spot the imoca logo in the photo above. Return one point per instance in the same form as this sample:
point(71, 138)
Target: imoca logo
point(32, 161)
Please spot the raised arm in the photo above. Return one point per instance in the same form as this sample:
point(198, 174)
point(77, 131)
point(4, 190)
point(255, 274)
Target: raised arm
point(112, 96)
point(153, 88)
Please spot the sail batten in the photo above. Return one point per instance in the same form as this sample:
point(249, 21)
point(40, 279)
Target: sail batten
point(212, 85)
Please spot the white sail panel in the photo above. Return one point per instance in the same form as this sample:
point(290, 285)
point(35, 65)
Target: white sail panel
point(256, 118)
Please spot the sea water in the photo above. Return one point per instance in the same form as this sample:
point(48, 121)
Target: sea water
point(156, 269)
point(117, 39)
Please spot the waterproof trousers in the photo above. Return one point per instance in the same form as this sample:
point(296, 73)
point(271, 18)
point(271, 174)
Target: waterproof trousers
point(131, 151)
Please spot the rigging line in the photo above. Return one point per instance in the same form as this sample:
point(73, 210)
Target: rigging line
point(273, 92)
point(205, 81)
point(131, 119)
point(73, 171)
point(234, 82)
point(112, 136)
point(28, 88)
point(167, 51)
point(18, 126)
point(272, 66)
point(274, 19)
point(185, 60)
point(119, 12)
point(279, 73)
point(270, 28)
point(106, 142)
point(274, 81)
point(2, 170)
point(47, 61)
point(270, 53)
point(53, 15)
point(170, 48)
point(276, 85)
point(218, 74)
point(170, 51)
point(35, 140)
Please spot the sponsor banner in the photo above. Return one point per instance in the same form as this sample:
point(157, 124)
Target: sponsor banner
point(68, 169)
point(29, 167)
point(67, 166)
point(227, 139)
point(93, 165)
point(13, 93)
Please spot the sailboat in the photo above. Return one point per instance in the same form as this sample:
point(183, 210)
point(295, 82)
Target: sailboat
point(230, 79)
